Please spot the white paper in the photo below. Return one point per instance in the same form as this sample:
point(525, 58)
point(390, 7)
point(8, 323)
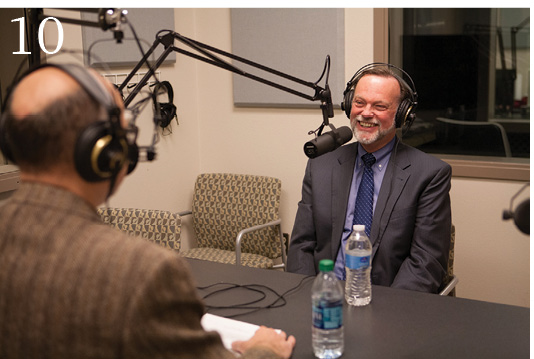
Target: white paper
point(230, 330)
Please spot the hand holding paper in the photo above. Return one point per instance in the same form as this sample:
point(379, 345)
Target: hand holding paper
point(240, 336)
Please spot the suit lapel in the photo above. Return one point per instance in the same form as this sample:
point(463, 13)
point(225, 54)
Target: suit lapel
point(342, 173)
point(395, 180)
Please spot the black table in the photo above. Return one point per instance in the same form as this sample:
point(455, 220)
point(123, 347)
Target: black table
point(397, 323)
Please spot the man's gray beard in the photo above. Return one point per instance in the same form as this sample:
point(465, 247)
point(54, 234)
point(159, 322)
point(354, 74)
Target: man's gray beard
point(366, 140)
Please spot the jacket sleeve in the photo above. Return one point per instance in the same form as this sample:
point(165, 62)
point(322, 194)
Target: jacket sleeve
point(164, 319)
point(425, 267)
point(303, 238)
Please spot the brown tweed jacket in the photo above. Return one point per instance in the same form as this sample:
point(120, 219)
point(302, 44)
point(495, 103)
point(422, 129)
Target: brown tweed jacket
point(72, 287)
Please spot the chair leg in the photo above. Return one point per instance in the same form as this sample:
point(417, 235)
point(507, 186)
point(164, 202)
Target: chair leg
point(282, 246)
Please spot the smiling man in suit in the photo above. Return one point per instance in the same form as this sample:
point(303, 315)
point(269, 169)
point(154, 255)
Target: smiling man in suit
point(410, 223)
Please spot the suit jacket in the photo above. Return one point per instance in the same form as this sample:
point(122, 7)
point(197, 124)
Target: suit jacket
point(72, 287)
point(411, 222)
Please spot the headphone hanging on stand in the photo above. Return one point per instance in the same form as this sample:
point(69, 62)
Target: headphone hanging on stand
point(405, 114)
point(165, 111)
point(102, 148)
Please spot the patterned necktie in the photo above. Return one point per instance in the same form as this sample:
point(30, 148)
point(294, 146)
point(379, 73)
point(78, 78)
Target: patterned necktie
point(363, 210)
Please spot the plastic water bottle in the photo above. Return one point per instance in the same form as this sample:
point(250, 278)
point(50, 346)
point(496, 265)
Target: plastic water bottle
point(358, 252)
point(327, 313)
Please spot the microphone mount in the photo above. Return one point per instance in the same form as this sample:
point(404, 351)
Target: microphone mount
point(112, 19)
point(108, 18)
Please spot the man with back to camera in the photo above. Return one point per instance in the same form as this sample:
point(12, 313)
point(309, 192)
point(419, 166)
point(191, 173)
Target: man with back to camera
point(411, 216)
point(71, 286)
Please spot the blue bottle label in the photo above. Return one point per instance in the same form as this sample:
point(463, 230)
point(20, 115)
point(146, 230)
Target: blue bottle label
point(328, 315)
point(355, 262)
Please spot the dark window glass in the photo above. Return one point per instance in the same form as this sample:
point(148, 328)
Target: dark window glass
point(471, 68)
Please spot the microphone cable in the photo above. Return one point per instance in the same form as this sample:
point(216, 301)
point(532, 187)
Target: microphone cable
point(249, 306)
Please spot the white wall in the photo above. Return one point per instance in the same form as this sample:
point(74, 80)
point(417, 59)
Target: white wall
point(492, 256)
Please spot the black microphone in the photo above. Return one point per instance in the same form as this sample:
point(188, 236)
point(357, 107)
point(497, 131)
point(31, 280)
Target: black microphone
point(327, 142)
point(521, 215)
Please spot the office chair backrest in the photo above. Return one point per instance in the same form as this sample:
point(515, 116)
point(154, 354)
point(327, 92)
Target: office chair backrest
point(473, 137)
point(224, 204)
point(160, 227)
point(450, 265)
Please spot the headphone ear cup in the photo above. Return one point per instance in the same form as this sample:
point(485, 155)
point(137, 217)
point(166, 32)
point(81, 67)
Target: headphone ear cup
point(405, 114)
point(98, 154)
point(167, 110)
point(400, 115)
point(167, 113)
point(346, 105)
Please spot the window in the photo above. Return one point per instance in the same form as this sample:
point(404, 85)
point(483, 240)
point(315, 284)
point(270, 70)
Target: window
point(471, 69)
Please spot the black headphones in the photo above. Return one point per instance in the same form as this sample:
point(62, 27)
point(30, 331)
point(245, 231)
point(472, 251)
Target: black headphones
point(102, 147)
point(405, 114)
point(165, 111)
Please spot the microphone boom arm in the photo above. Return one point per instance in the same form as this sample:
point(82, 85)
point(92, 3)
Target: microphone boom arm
point(321, 94)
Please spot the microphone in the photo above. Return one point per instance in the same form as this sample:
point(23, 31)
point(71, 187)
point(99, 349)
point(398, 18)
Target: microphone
point(327, 142)
point(521, 215)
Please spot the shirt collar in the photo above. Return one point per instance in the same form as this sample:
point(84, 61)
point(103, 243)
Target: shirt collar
point(382, 155)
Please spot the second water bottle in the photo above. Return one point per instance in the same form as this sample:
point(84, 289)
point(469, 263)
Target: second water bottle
point(358, 252)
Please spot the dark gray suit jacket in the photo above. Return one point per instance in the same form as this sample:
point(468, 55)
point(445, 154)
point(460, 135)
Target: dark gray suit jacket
point(411, 223)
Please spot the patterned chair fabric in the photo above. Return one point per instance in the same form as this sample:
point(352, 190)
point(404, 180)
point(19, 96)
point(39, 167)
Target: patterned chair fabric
point(224, 205)
point(160, 227)
point(450, 278)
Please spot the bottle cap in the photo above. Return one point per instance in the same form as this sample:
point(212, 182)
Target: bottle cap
point(326, 265)
point(358, 227)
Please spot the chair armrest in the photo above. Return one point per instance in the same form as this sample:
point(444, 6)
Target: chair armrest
point(255, 228)
point(449, 287)
point(185, 213)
